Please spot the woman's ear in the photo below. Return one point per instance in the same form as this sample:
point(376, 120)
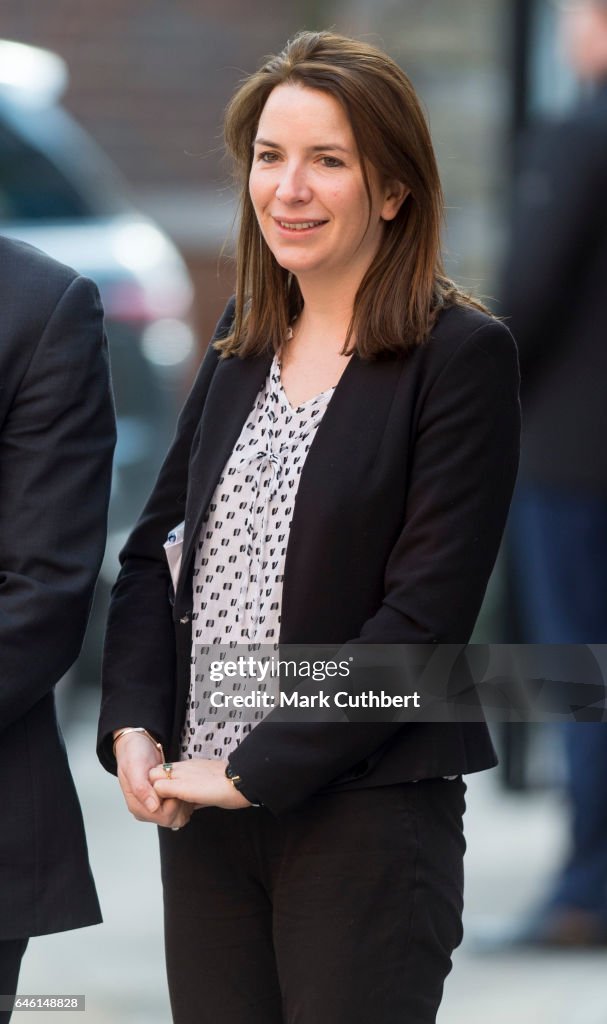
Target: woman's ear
point(394, 196)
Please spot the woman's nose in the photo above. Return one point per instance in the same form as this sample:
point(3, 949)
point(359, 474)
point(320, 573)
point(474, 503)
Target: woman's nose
point(293, 185)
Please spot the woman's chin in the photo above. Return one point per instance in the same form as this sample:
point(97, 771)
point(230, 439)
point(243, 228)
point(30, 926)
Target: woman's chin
point(300, 268)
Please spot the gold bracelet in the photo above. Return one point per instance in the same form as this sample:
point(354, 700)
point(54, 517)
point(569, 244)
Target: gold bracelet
point(138, 728)
point(236, 781)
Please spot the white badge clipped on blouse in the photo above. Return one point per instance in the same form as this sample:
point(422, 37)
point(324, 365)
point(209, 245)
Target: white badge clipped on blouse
point(173, 548)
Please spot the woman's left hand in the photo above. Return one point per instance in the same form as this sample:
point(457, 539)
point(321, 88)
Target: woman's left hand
point(199, 781)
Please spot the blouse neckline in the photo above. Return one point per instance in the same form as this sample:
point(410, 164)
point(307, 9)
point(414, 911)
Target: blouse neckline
point(275, 372)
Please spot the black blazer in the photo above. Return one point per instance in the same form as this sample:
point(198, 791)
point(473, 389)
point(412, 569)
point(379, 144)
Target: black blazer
point(554, 293)
point(397, 522)
point(57, 435)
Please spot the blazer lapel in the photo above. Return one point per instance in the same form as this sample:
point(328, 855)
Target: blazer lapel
point(355, 414)
point(348, 438)
point(353, 421)
point(235, 384)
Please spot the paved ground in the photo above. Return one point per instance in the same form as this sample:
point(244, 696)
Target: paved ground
point(511, 844)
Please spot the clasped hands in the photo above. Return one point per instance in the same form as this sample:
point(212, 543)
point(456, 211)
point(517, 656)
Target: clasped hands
point(170, 802)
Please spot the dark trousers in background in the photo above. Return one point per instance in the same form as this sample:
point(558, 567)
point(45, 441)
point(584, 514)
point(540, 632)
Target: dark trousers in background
point(558, 545)
point(11, 953)
point(344, 911)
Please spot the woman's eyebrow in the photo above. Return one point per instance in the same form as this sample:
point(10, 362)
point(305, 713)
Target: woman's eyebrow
point(313, 149)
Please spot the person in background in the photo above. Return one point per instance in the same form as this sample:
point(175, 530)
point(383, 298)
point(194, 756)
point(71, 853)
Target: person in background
point(57, 436)
point(554, 297)
point(343, 469)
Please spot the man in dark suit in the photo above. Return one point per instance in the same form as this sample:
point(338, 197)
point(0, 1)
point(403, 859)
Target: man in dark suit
point(57, 435)
point(555, 295)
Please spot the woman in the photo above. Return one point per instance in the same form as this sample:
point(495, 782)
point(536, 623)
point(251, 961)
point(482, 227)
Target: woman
point(343, 467)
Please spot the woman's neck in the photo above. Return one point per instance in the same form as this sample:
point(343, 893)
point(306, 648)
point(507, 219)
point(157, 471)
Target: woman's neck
point(326, 314)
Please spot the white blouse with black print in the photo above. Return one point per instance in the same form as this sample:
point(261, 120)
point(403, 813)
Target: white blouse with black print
point(240, 555)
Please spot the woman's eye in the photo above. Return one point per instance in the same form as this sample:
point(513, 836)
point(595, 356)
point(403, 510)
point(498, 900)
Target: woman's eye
point(267, 157)
point(331, 161)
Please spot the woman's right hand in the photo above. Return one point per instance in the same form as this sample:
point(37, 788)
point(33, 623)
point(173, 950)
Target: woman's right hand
point(135, 757)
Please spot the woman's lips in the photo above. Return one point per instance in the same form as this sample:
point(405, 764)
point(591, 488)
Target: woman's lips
point(298, 227)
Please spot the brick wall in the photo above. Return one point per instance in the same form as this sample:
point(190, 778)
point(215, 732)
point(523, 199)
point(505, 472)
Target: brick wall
point(150, 79)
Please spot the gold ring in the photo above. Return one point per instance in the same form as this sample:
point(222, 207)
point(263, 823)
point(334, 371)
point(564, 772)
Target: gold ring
point(168, 770)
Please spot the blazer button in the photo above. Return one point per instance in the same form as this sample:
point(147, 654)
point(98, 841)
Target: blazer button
point(185, 618)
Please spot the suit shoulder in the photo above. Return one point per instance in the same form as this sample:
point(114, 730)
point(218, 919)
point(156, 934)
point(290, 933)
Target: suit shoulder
point(33, 289)
point(467, 340)
point(457, 324)
point(28, 272)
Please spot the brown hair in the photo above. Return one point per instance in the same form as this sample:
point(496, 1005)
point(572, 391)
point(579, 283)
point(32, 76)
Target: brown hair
point(405, 287)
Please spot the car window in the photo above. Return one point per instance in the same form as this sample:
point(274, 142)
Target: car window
point(32, 187)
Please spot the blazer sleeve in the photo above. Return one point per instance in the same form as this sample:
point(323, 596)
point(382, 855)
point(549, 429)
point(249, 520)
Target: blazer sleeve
point(463, 471)
point(56, 448)
point(139, 653)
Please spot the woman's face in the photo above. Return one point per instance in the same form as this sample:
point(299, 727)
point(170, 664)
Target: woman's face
point(308, 192)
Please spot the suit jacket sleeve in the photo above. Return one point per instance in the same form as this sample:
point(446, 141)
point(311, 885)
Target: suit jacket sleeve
point(463, 471)
point(139, 650)
point(56, 450)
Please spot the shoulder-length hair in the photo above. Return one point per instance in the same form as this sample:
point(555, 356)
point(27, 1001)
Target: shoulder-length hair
point(405, 286)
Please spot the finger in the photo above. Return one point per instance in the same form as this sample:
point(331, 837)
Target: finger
point(137, 784)
point(177, 823)
point(136, 801)
point(167, 788)
point(174, 814)
point(139, 810)
point(164, 816)
point(182, 816)
point(133, 804)
point(178, 788)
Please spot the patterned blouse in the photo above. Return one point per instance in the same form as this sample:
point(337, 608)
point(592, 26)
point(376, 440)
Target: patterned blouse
point(240, 556)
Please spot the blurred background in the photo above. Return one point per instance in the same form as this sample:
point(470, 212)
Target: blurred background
point(111, 160)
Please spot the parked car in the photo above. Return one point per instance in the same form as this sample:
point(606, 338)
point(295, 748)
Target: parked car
point(59, 192)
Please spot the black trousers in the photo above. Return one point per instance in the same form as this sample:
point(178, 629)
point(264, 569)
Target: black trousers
point(344, 911)
point(11, 952)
